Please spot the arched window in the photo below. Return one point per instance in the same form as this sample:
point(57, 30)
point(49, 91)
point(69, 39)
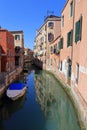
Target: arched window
point(50, 37)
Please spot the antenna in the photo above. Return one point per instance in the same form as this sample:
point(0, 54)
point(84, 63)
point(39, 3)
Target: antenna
point(50, 12)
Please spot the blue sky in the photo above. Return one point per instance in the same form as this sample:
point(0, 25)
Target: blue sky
point(27, 15)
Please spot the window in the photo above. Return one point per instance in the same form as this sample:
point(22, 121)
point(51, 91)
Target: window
point(77, 73)
point(69, 64)
point(51, 49)
point(17, 49)
point(41, 40)
point(71, 9)
point(70, 38)
point(55, 48)
point(58, 64)
point(61, 65)
point(63, 21)
point(50, 37)
point(61, 43)
point(17, 37)
point(78, 30)
point(51, 25)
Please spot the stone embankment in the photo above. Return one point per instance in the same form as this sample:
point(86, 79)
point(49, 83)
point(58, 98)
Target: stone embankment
point(8, 78)
point(78, 102)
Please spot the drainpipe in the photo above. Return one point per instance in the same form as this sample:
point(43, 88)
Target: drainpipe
point(73, 33)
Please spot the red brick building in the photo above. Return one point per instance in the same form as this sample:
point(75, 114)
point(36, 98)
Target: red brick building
point(7, 48)
point(0, 59)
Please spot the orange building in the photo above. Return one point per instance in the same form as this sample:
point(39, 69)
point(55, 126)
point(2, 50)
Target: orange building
point(79, 59)
point(7, 48)
point(72, 66)
point(67, 23)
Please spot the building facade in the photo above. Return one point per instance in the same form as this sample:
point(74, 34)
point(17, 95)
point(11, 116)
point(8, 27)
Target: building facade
point(79, 59)
point(7, 51)
point(67, 23)
point(45, 35)
point(55, 55)
point(19, 47)
point(0, 59)
point(72, 66)
point(53, 24)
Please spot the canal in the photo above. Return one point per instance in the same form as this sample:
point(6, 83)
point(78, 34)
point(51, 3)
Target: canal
point(45, 106)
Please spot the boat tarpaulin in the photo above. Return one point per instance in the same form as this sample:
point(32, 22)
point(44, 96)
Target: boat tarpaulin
point(16, 86)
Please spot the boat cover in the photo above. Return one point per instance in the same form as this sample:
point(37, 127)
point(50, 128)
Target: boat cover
point(16, 86)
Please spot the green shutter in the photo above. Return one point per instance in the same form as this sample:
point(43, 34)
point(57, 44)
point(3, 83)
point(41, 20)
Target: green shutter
point(61, 43)
point(77, 27)
point(71, 9)
point(78, 30)
point(68, 39)
point(71, 39)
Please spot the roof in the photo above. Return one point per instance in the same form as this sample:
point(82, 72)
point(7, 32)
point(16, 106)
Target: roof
point(51, 16)
point(19, 31)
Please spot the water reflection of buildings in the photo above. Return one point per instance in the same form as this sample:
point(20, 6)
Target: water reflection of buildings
point(58, 110)
point(45, 94)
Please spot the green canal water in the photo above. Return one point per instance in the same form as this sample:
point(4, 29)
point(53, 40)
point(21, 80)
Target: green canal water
point(45, 106)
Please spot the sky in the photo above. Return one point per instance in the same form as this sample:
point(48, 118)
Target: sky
point(27, 15)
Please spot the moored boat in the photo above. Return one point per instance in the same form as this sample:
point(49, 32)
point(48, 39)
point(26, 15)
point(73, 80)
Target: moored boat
point(16, 90)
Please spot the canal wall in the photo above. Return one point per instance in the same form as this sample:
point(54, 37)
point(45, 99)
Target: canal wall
point(8, 78)
point(77, 101)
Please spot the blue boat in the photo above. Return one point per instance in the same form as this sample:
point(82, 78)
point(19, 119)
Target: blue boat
point(16, 90)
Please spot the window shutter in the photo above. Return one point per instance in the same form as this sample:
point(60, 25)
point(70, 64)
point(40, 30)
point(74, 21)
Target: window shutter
point(67, 39)
point(71, 39)
point(80, 28)
point(77, 31)
point(61, 43)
